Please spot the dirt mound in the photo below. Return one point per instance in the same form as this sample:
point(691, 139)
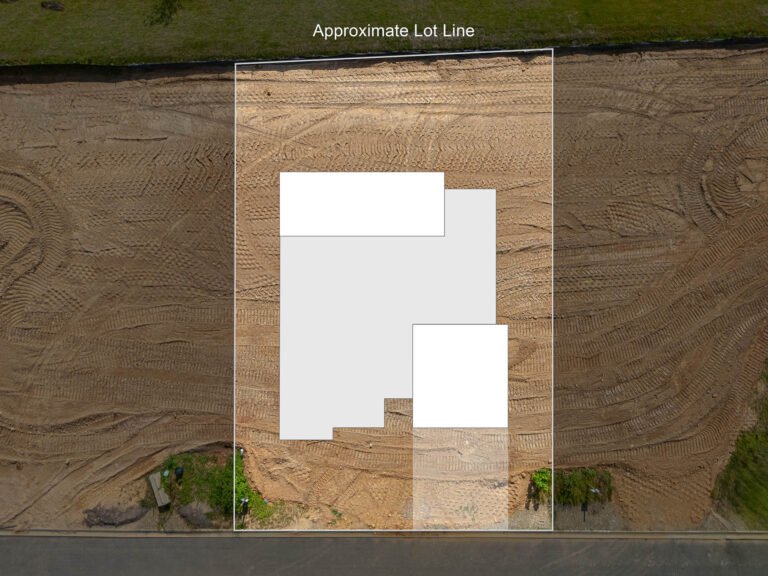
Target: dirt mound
point(113, 516)
point(197, 515)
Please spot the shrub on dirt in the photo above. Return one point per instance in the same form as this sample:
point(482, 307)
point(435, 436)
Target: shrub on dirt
point(583, 486)
point(541, 482)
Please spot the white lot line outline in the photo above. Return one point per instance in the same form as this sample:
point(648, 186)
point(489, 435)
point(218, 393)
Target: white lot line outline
point(234, 312)
point(552, 280)
point(552, 298)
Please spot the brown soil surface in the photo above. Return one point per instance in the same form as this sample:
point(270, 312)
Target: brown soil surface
point(115, 285)
point(486, 123)
point(661, 270)
point(116, 275)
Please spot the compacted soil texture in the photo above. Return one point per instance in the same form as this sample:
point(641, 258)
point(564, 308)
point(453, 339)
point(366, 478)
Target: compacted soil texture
point(661, 271)
point(116, 225)
point(116, 272)
point(486, 122)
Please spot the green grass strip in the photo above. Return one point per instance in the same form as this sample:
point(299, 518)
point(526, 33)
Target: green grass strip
point(139, 31)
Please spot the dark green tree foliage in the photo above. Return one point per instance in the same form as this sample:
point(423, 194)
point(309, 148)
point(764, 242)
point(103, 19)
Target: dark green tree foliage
point(583, 485)
point(164, 11)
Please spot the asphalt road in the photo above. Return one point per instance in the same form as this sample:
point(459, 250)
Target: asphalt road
point(372, 556)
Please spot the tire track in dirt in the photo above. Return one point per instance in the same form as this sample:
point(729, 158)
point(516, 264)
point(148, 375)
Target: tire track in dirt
point(116, 287)
point(485, 122)
point(660, 270)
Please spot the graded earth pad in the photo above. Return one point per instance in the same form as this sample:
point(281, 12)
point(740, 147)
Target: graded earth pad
point(116, 215)
point(661, 272)
point(486, 123)
point(116, 276)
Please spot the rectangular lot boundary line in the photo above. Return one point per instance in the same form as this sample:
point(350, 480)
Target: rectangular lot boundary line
point(393, 56)
point(234, 310)
point(408, 533)
point(552, 295)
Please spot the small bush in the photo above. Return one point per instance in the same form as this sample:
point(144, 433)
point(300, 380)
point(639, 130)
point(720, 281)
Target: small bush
point(583, 485)
point(542, 484)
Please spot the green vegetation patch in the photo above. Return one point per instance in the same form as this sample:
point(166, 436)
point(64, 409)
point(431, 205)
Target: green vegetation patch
point(143, 31)
point(743, 484)
point(208, 479)
point(583, 485)
point(258, 507)
point(541, 482)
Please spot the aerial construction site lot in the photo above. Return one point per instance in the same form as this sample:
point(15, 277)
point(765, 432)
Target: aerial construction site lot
point(115, 287)
point(661, 277)
point(486, 122)
point(116, 275)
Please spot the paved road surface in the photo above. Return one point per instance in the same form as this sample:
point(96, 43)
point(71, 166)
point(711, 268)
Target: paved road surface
point(373, 556)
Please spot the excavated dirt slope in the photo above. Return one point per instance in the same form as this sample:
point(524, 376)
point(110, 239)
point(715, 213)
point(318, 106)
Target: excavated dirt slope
point(661, 270)
point(486, 123)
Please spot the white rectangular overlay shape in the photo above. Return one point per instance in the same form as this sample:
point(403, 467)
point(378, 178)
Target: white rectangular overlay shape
point(460, 376)
point(362, 204)
point(348, 306)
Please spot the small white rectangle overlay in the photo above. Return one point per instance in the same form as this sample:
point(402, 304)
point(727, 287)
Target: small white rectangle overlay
point(362, 204)
point(460, 375)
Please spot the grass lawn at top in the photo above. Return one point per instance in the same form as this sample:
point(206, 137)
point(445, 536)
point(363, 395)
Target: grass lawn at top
point(118, 32)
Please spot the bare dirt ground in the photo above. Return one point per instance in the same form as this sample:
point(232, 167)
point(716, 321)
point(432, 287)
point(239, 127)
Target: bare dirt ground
point(115, 284)
point(661, 270)
point(116, 278)
point(486, 123)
